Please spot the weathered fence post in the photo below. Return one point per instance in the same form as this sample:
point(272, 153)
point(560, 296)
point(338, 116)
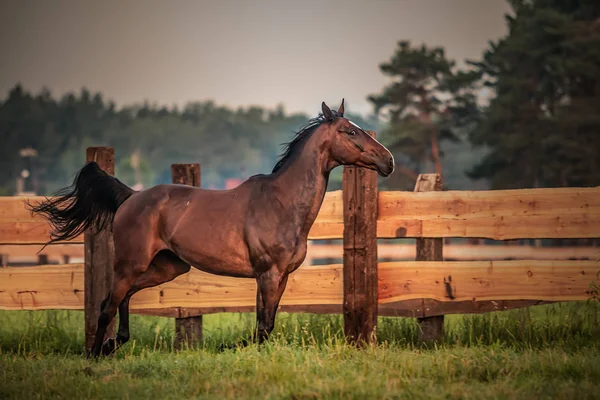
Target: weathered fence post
point(187, 329)
point(99, 258)
point(360, 254)
point(430, 328)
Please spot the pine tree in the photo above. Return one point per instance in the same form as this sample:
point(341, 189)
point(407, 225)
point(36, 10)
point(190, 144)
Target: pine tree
point(427, 101)
point(542, 124)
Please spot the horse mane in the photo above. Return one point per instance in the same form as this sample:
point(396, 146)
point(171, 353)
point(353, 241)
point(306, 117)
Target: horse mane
point(293, 146)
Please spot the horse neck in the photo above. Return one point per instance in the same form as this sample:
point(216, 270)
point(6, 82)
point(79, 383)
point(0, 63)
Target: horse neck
point(302, 183)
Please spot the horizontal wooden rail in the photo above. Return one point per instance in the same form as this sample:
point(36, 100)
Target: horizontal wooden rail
point(19, 226)
point(405, 288)
point(493, 214)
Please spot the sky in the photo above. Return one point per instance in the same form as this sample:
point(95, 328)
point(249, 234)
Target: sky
point(237, 53)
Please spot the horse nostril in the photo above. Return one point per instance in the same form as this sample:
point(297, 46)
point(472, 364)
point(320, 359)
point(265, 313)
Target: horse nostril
point(391, 162)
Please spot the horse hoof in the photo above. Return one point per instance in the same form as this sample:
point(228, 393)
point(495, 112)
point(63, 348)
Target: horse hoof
point(108, 347)
point(238, 345)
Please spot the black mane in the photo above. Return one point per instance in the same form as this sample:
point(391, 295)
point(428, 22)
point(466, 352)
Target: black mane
point(292, 147)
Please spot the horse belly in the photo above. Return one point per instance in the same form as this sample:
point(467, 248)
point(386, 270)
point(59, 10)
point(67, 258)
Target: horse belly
point(214, 257)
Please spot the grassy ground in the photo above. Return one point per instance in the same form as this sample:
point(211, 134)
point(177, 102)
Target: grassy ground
point(542, 352)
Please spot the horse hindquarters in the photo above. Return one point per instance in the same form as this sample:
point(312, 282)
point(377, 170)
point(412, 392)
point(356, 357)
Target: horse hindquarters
point(165, 267)
point(137, 242)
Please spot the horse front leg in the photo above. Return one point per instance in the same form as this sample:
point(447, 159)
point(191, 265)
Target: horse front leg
point(271, 286)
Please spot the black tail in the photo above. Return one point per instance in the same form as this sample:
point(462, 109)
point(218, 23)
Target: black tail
point(90, 203)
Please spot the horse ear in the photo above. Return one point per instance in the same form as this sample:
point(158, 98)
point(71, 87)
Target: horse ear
point(327, 112)
point(341, 109)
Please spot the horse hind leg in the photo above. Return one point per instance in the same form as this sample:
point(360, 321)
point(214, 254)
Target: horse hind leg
point(124, 278)
point(132, 260)
point(165, 267)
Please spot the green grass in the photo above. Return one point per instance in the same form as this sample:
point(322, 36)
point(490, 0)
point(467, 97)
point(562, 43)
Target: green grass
point(542, 352)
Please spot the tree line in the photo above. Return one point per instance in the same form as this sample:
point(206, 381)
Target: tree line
point(537, 126)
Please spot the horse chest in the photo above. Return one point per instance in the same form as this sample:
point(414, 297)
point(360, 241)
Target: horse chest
point(283, 253)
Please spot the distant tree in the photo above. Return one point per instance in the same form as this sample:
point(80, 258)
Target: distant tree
point(542, 124)
point(228, 143)
point(426, 101)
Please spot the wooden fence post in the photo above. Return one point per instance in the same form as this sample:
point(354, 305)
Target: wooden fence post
point(430, 328)
point(359, 187)
point(99, 259)
point(188, 330)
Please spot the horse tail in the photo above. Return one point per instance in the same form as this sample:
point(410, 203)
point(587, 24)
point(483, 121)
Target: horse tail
point(91, 202)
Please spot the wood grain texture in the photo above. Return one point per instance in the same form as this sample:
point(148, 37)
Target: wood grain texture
point(360, 254)
point(430, 249)
point(461, 204)
point(497, 228)
point(424, 287)
point(188, 329)
point(23, 232)
point(494, 214)
point(99, 258)
point(453, 281)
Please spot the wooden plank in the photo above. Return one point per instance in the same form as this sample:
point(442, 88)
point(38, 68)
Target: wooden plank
point(453, 281)
point(42, 287)
point(421, 205)
point(500, 215)
point(99, 259)
point(489, 203)
point(322, 230)
point(188, 330)
point(332, 209)
point(19, 226)
point(431, 329)
point(360, 254)
point(402, 286)
point(196, 289)
point(497, 228)
point(62, 287)
point(14, 232)
point(15, 209)
point(330, 220)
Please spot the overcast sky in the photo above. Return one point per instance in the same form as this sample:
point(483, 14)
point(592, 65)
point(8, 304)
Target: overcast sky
point(243, 52)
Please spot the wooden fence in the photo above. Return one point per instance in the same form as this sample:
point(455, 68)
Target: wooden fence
point(360, 288)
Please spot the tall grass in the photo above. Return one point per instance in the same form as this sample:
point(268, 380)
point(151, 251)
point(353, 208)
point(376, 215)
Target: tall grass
point(550, 351)
point(569, 325)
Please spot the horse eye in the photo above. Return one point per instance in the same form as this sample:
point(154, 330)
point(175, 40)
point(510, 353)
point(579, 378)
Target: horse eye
point(352, 132)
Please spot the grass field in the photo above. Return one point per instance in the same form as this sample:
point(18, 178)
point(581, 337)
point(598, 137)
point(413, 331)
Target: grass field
point(543, 352)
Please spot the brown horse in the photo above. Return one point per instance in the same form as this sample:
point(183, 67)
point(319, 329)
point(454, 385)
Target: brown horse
point(257, 230)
